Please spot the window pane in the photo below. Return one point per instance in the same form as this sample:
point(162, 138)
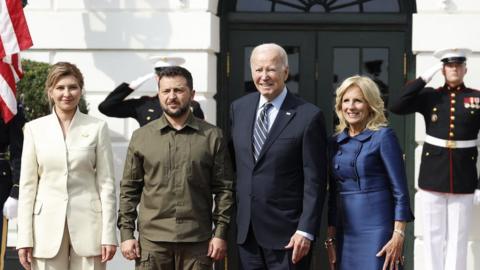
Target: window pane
point(333, 6)
point(375, 66)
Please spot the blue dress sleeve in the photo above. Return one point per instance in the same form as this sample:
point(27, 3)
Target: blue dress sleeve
point(391, 154)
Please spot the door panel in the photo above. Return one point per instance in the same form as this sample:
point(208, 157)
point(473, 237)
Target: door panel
point(378, 55)
point(319, 61)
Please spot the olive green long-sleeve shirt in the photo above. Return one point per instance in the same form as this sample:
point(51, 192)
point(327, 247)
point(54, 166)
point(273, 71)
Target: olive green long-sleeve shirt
point(172, 175)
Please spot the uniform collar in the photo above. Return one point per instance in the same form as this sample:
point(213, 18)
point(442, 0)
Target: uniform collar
point(362, 136)
point(191, 122)
point(456, 88)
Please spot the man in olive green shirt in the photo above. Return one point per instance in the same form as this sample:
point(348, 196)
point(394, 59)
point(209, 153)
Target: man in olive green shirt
point(174, 166)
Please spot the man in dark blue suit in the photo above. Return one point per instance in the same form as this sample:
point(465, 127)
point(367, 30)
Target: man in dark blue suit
point(280, 153)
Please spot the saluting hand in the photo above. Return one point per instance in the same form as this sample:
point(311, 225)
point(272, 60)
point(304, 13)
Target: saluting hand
point(300, 245)
point(130, 249)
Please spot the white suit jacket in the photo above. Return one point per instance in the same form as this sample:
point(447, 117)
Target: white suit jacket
point(66, 180)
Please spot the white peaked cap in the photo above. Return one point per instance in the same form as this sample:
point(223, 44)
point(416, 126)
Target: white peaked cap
point(452, 55)
point(166, 61)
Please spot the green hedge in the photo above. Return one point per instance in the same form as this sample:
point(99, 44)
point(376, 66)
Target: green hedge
point(31, 90)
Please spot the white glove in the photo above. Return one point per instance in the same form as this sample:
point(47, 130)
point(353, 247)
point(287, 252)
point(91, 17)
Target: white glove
point(429, 73)
point(476, 197)
point(141, 80)
point(10, 208)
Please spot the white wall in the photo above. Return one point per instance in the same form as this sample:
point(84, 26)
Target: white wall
point(111, 40)
point(445, 24)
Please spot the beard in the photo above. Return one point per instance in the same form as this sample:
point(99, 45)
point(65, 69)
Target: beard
point(178, 112)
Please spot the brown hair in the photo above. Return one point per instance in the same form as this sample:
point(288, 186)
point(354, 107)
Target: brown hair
point(62, 69)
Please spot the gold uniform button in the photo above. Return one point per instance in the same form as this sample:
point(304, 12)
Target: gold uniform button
point(450, 134)
point(435, 109)
point(148, 118)
point(453, 101)
point(427, 154)
point(452, 94)
point(452, 125)
point(452, 109)
point(452, 117)
point(4, 173)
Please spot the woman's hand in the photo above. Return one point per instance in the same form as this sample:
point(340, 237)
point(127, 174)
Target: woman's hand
point(393, 250)
point(25, 257)
point(108, 251)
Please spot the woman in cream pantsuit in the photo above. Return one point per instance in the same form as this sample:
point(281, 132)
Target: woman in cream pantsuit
point(66, 217)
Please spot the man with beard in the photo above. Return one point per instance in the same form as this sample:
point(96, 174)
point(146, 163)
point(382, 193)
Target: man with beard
point(173, 168)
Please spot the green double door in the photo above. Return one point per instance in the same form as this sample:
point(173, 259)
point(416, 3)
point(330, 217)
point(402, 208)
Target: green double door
point(319, 61)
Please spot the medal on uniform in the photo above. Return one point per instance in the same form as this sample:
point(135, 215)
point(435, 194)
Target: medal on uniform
point(434, 117)
point(468, 102)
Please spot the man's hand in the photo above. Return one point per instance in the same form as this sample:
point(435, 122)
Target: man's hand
point(300, 245)
point(141, 80)
point(10, 208)
point(108, 251)
point(217, 248)
point(429, 73)
point(25, 257)
point(130, 249)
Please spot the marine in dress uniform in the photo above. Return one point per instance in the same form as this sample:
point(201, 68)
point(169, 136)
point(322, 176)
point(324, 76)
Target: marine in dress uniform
point(448, 178)
point(146, 108)
point(11, 141)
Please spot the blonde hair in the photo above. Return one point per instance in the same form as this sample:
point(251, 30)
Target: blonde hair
point(371, 94)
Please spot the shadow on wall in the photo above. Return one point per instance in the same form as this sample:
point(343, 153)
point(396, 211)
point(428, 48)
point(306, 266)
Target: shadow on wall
point(132, 29)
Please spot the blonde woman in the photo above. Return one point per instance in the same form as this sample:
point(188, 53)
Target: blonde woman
point(66, 216)
point(369, 202)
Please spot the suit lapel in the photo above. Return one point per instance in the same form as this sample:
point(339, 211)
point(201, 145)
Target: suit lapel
point(247, 118)
point(284, 116)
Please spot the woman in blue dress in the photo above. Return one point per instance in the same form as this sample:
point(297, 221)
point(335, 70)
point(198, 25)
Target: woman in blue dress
point(369, 204)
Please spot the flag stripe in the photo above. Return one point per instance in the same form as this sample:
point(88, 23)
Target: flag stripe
point(9, 39)
point(15, 9)
point(8, 101)
point(14, 34)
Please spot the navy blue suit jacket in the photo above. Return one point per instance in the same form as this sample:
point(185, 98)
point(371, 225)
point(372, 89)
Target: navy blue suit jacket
point(284, 190)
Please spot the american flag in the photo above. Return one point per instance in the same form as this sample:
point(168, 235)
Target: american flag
point(14, 37)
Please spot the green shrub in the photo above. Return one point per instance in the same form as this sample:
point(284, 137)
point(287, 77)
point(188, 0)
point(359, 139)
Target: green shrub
point(31, 90)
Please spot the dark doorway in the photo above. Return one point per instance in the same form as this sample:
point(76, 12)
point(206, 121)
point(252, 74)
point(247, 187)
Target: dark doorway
point(326, 41)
